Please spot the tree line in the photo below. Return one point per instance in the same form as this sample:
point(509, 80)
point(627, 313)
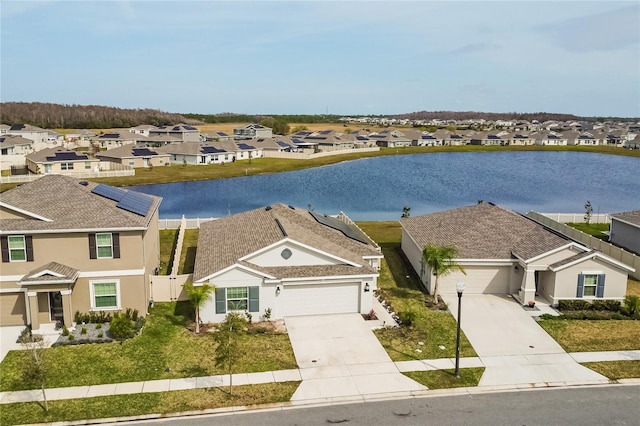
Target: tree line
point(57, 116)
point(493, 116)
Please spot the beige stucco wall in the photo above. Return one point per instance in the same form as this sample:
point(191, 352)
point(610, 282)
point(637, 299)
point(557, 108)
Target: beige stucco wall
point(566, 280)
point(12, 309)
point(550, 259)
point(10, 214)
point(479, 279)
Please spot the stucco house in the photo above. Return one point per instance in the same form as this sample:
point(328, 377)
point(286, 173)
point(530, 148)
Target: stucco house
point(60, 161)
point(292, 261)
point(182, 132)
point(625, 230)
point(40, 137)
point(70, 245)
point(13, 150)
point(504, 252)
point(135, 156)
point(390, 138)
point(252, 131)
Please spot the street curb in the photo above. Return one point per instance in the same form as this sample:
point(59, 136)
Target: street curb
point(322, 402)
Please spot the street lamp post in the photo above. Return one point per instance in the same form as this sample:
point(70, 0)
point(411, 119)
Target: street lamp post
point(459, 289)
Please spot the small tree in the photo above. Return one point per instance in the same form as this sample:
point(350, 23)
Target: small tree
point(228, 336)
point(198, 296)
point(406, 211)
point(440, 260)
point(37, 368)
point(588, 212)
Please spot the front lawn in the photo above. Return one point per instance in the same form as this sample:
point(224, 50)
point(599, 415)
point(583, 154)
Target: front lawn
point(398, 285)
point(615, 370)
point(633, 287)
point(146, 403)
point(594, 335)
point(166, 349)
point(444, 379)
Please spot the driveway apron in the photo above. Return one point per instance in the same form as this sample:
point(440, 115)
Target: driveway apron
point(339, 356)
point(512, 346)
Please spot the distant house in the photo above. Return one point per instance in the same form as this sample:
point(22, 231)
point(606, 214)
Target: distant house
point(60, 161)
point(134, 156)
point(40, 137)
point(211, 152)
point(390, 138)
point(143, 129)
point(183, 132)
point(252, 131)
point(115, 138)
point(286, 260)
point(487, 138)
point(625, 230)
point(75, 246)
point(217, 135)
point(521, 139)
point(550, 138)
point(80, 137)
point(504, 252)
point(13, 150)
point(330, 140)
point(582, 139)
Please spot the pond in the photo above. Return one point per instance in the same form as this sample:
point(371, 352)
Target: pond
point(378, 188)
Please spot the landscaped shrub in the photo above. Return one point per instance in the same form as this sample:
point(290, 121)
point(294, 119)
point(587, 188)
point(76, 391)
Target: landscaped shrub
point(71, 337)
point(573, 305)
point(83, 331)
point(138, 324)
point(132, 314)
point(98, 326)
point(632, 305)
point(407, 318)
point(606, 305)
point(65, 330)
point(92, 317)
point(121, 327)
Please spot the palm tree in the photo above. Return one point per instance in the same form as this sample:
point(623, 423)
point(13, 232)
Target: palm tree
point(440, 260)
point(198, 296)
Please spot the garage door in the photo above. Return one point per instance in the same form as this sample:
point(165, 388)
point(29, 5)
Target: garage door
point(12, 309)
point(479, 280)
point(320, 299)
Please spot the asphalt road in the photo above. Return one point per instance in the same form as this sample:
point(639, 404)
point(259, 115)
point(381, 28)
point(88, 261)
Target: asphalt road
point(601, 405)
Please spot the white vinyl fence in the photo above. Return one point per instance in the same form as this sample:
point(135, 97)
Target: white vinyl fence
point(192, 223)
point(577, 217)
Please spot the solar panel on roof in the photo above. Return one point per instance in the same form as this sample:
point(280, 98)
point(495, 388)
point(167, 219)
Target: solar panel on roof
point(211, 150)
point(283, 144)
point(136, 202)
point(245, 146)
point(190, 128)
point(110, 192)
point(139, 152)
point(338, 225)
point(110, 136)
point(66, 156)
point(325, 132)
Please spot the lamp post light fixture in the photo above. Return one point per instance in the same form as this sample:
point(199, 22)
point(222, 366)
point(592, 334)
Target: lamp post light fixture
point(459, 289)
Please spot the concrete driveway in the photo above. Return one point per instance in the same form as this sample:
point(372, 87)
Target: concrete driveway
point(339, 356)
point(512, 346)
point(8, 337)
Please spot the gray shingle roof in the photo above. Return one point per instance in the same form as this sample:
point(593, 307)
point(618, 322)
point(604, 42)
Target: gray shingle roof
point(483, 231)
point(69, 205)
point(68, 274)
point(222, 242)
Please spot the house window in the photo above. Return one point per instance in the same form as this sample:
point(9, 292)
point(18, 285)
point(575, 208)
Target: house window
point(237, 299)
point(104, 247)
point(17, 248)
point(105, 295)
point(87, 166)
point(591, 284)
point(66, 166)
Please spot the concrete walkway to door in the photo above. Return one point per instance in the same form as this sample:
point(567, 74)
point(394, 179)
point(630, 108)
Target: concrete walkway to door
point(339, 356)
point(512, 346)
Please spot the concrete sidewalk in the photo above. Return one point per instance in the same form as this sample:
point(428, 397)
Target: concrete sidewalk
point(333, 393)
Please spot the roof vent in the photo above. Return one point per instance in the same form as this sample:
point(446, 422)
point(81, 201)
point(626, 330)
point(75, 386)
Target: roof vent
point(83, 183)
point(267, 208)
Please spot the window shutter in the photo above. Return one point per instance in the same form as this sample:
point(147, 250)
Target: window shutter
point(92, 247)
point(580, 285)
point(115, 240)
point(28, 242)
point(600, 288)
point(221, 301)
point(254, 299)
point(4, 241)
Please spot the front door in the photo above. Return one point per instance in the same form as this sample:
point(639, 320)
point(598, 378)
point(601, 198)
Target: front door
point(55, 306)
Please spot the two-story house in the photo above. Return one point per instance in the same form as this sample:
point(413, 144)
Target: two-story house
point(70, 245)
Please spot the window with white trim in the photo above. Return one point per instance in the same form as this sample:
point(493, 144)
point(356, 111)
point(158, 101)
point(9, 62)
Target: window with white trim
point(237, 299)
point(105, 295)
point(66, 166)
point(590, 285)
point(104, 246)
point(17, 248)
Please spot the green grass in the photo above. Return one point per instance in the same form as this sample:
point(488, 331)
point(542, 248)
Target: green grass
point(189, 247)
point(592, 335)
point(593, 229)
point(615, 370)
point(146, 403)
point(399, 286)
point(165, 343)
point(168, 239)
point(444, 379)
point(633, 287)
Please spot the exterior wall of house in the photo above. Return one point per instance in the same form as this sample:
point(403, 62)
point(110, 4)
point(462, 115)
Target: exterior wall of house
point(625, 235)
point(545, 261)
point(237, 278)
point(13, 309)
point(151, 244)
point(414, 255)
point(547, 284)
point(57, 167)
point(299, 256)
point(566, 281)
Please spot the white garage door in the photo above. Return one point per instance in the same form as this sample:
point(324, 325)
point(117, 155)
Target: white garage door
point(320, 299)
point(479, 280)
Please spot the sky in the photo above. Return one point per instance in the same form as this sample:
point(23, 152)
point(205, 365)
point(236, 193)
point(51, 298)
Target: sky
point(319, 57)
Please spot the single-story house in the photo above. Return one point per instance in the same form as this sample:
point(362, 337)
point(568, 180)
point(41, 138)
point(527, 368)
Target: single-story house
point(115, 138)
point(183, 132)
point(625, 230)
point(289, 260)
point(134, 156)
point(504, 252)
point(60, 161)
point(550, 138)
point(390, 139)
